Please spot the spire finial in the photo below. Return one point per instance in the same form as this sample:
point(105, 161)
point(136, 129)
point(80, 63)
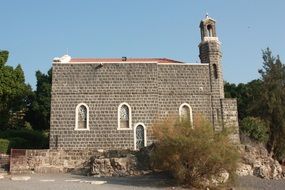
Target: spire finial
point(207, 15)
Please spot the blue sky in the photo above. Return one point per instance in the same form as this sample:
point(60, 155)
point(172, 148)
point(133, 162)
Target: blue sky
point(36, 31)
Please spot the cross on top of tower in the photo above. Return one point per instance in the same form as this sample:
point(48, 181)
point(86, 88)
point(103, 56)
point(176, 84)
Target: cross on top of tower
point(207, 15)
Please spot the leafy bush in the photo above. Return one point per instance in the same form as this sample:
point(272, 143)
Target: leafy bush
point(18, 142)
point(193, 155)
point(25, 138)
point(4, 145)
point(255, 129)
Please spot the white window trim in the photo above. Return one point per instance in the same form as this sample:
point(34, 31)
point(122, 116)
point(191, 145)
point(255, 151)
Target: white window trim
point(76, 117)
point(135, 135)
point(130, 117)
point(190, 109)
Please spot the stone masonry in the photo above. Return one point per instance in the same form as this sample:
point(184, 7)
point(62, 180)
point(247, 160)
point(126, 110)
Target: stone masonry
point(51, 161)
point(87, 161)
point(153, 88)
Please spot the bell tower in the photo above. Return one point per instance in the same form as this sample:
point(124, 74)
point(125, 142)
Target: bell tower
point(210, 52)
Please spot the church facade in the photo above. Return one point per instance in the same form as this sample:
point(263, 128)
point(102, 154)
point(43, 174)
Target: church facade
point(102, 103)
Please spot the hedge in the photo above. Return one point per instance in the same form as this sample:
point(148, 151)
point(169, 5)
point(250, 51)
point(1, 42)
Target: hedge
point(4, 145)
point(33, 139)
point(23, 138)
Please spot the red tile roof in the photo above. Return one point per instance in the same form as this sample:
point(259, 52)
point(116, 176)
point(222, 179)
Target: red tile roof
point(120, 60)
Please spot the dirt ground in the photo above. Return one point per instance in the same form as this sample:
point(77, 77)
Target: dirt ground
point(149, 182)
point(255, 183)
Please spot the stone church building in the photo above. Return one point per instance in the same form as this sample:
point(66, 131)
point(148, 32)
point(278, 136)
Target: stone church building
point(109, 103)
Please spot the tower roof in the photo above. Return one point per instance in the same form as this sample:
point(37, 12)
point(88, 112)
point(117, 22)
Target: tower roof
point(207, 20)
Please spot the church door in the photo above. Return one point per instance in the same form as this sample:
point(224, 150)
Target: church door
point(140, 137)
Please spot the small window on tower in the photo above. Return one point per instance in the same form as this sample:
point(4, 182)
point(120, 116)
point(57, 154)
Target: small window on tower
point(215, 71)
point(210, 30)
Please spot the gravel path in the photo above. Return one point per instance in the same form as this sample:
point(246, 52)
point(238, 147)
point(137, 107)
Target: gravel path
point(77, 182)
point(255, 183)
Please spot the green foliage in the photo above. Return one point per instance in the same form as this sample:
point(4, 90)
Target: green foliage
point(28, 126)
point(15, 142)
point(272, 101)
point(25, 138)
point(39, 109)
point(19, 143)
point(17, 101)
point(246, 94)
point(13, 92)
point(3, 57)
point(193, 154)
point(4, 145)
point(264, 98)
point(255, 129)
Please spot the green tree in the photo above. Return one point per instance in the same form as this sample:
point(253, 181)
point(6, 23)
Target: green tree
point(3, 57)
point(271, 102)
point(254, 128)
point(247, 95)
point(39, 109)
point(13, 93)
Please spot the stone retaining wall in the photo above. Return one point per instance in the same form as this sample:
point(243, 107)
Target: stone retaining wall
point(4, 162)
point(50, 161)
point(94, 162)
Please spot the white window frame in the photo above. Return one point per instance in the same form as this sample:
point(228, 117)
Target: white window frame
point(190, 110)
point(76, 117)
point(130, 117)
point(135, 135)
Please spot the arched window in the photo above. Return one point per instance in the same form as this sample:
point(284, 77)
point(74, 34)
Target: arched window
point(210, 30)
point(139, 136)
point(215, 71)
point(82, 117)
point(124, 117)
point(185, 113)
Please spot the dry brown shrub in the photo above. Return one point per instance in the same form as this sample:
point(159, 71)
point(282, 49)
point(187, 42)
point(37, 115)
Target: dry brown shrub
point(192, 154)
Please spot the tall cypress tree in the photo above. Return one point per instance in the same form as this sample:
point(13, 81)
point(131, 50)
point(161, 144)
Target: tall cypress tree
point(272, 101)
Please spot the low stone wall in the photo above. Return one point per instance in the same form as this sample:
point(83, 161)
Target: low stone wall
point(94, 162)
point(50, 161)
point(4, 162)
